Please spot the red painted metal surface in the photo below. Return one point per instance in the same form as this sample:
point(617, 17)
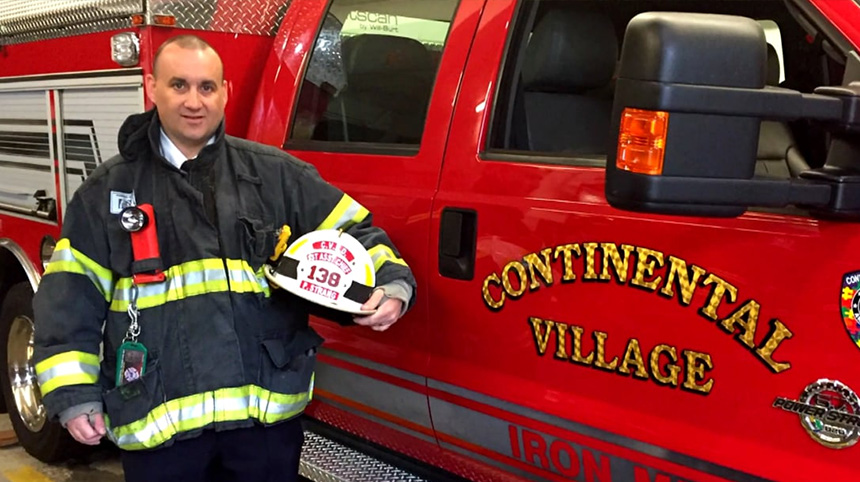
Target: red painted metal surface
point(845, 15)
point(526, 207)
point(70, 54)
point(27, 234)
point(777, 260)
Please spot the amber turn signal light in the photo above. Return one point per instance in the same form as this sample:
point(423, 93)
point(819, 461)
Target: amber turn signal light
point(164, 20)
point(642, 141)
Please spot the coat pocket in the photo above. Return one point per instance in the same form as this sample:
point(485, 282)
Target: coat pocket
point(134, 401)
point(258, 237)
point(286, 366)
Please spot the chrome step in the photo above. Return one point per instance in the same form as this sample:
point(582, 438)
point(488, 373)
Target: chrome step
point(324, 460)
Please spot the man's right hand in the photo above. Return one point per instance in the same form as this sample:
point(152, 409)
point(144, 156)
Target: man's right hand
point(85, 432)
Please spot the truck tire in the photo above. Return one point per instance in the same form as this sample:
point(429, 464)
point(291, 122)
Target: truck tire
point(44, 439)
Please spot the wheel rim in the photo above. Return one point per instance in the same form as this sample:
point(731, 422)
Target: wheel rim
point(22, 376)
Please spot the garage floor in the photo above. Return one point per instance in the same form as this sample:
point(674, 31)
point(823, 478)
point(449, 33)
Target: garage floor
point(17, 466)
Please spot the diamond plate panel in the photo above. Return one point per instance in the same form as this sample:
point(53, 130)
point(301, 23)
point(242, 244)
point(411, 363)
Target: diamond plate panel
point(29, 20)
point(255, 17)
point(20, 17)
point(324, 460)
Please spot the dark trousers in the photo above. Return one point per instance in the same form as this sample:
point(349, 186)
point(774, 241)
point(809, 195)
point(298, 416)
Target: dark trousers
point(256, 454)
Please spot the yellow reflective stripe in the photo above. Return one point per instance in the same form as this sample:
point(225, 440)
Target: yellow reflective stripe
point(346, 213)
point(192, 278)
point(382, 253)
point(67, 259)
point(68, 368)
point(197, 411)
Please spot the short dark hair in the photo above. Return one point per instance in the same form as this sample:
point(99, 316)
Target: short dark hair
point(185, 41)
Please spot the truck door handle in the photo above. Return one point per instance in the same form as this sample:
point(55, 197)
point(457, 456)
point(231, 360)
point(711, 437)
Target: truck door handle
point(457, 240)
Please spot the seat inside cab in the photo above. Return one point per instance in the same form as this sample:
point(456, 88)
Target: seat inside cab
point(560, 81)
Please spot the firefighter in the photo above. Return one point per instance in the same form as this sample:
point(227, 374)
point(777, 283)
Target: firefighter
point(205, 368)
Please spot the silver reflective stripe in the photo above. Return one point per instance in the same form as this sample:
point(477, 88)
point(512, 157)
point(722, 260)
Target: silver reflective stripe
point(350, 216)
point(175, 283)
point(244, 275)
point(210, 409)
point(68, 368)
point(193, 278)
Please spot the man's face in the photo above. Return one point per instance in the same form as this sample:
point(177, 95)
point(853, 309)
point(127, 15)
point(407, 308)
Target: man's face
point(190, 92)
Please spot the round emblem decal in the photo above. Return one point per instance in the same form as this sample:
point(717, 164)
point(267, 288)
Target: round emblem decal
point(850, 305)
point(831, 413)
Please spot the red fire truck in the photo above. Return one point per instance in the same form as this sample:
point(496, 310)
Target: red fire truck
point(632, 223)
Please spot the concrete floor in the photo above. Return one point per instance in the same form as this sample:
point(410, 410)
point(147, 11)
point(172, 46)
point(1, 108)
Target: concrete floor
point(17, 466)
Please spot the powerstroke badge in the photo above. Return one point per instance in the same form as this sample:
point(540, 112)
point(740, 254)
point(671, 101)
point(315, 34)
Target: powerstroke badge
point(829, 412)
point(850, 305)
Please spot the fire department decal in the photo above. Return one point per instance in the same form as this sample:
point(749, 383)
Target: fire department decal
point(850, 305)
point(829, 412)
point(669, 277)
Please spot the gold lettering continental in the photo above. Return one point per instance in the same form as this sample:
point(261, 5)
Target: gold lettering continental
point(666, 275)
point(521, 276)
point(540, 265)
point(567, 251)
point(686, 283)
point(590, 260)
point(778, 333)
point(744, 318)
point(645, 261)
point(721, 287)
point(493, 303)
point(611, 257)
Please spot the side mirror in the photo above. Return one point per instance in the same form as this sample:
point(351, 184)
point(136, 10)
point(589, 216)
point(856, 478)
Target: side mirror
point(689, 100)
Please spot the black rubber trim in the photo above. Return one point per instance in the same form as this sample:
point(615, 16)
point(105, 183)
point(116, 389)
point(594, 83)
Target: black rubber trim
point(288, 267)
point(403, 150)
point(408, 464)
point(358, 292)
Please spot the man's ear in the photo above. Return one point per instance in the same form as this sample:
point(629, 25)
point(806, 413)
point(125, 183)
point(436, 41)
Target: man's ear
point(149, 81)
point(226, 86)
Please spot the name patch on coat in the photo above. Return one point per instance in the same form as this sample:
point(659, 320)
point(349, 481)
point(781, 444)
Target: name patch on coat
point(121, 200)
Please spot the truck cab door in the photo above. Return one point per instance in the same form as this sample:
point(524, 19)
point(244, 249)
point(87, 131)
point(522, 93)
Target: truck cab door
point(364, 92)
point(575, 341)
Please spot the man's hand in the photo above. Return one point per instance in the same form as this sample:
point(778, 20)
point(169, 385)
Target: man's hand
point(385, 316)
point(85, 432)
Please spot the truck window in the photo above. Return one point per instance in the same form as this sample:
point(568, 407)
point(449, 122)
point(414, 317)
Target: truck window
point(555, 93)
point(371, 72)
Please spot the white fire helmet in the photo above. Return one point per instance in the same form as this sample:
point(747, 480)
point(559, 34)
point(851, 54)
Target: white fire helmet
point(327, 267)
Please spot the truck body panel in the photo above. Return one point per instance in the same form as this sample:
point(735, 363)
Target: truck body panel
point(554, 336)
